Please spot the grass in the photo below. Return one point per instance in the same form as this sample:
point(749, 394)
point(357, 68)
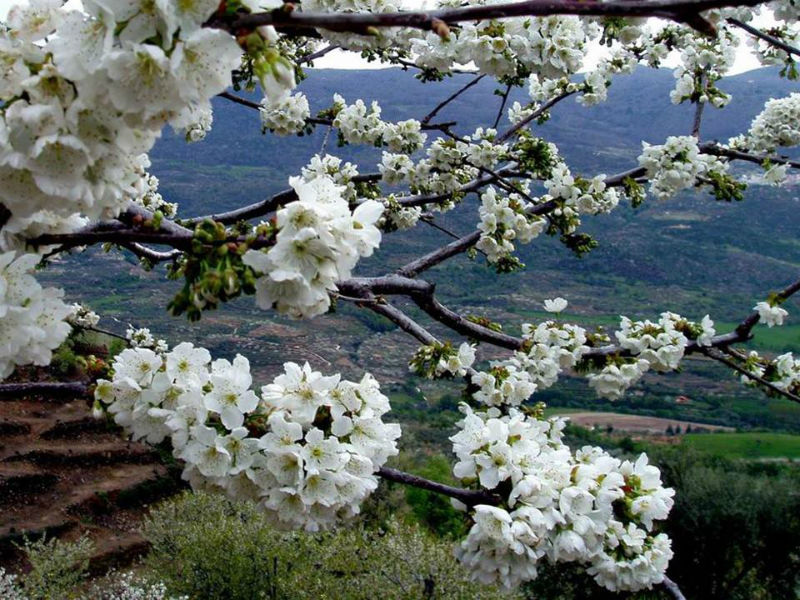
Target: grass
point(554, 411)
point(746, 445)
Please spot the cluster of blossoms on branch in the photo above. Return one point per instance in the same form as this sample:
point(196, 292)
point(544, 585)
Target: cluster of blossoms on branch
point(319, 241)
point(783, 372)
point(32, 317)
point(307, 449)
point(85, 94)
point(586, 507)
point(677, 165)
point(551, 347)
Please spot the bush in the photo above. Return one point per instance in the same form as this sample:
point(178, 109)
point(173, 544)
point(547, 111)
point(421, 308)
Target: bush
point(57, 567)
point(208, 547)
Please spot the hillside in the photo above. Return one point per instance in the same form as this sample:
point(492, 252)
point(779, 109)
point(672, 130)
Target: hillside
point(691, 255)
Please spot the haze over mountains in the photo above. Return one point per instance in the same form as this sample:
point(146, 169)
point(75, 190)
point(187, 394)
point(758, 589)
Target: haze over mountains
point(692, 254)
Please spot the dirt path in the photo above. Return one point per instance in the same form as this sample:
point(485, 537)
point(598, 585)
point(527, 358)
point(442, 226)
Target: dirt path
point(63, 473)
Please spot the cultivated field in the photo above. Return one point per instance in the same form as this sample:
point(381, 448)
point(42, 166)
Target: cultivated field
point(633, 423)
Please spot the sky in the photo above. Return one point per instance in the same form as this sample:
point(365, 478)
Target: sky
point(745, 61)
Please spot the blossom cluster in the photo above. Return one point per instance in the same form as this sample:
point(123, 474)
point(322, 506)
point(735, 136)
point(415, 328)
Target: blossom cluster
point(84, 94)
point(82, 316)
point(616, 376)
point(123, 587)
point(505, 219)
point(307, 449)
point(443, 360)
point(553, 46)
point(142, 338)
point(659, 345)
point(33, 319)
point(548, 349)
point(770, 314)
point(146, 192)
point(704, 60)
point(319, 241)
point(586, 507)
point(677, 165)
point(783, 372)
point(285, 116)
point(777, 126)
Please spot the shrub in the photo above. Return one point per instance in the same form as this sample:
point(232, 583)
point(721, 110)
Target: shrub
point(208, 547)
point(57, 567)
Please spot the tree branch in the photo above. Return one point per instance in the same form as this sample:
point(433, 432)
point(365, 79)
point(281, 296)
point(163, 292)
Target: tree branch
point(682, 11)
point(716, 150)
point(727, 362)
point(318, 54)
point(426, 119)
point(770, 39)
point(673, 588)
point(534, 115)
point(468, 497)
point(502, 106)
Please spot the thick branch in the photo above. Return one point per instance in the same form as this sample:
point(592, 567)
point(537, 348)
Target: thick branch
point(716, 150)
point(682, 11)
point(119, 236)
point(415, 267)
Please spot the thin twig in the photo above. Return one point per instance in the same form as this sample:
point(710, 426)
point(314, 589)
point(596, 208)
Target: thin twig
point(502, 106)
point(698, 114)
point(468, 497)
point(534, 115)
point(770, 39)
point(318, 54)
point(739, 369)
point(426, 119)
point(240, 100)
point(673, 588)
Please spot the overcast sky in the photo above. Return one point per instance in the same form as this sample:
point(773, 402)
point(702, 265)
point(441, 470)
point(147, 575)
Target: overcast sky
point(348, 60)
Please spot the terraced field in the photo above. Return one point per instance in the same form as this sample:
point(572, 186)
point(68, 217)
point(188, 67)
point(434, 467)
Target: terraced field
point(64, 473)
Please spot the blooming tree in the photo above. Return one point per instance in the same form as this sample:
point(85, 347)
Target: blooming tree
point(85, 94)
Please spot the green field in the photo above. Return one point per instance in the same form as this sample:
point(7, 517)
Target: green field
point(746, 445)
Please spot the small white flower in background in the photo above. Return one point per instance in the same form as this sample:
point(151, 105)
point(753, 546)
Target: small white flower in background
point(285, 116)
point(556, 305)
point(83, 316)
point(770, 315)
point(776, 174)
point(142, 338)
